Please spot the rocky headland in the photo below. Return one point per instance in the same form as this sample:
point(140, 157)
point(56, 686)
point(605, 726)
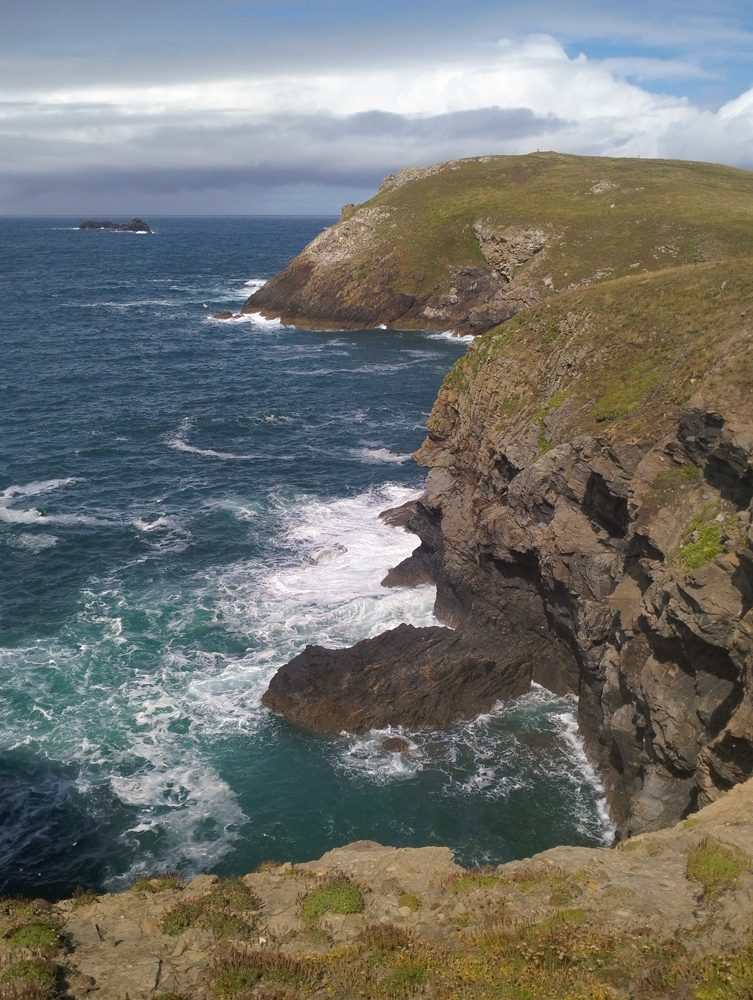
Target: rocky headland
point(466, 244)
point(136, 225)
point(587, 517)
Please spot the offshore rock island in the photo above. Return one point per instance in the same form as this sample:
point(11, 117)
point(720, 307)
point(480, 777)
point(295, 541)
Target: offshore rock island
point(136, 225)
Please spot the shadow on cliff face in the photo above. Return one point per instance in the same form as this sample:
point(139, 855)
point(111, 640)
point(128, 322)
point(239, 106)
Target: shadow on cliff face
point(43, 808)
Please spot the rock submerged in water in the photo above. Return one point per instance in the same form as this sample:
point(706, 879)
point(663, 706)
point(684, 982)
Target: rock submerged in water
point(406, 676)
point(136, 225)
point(394, 744)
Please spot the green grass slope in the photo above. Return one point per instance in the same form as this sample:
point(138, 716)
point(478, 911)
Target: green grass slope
point(411, 256)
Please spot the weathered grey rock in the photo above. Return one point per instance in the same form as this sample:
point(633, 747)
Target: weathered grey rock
point(582, 544)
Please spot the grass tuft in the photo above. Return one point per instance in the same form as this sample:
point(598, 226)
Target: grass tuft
point(83, 897)
point(716, 868)
point(386, 937)
point(403, 981)
point(28, 979)
point(160, 883)
point(238, 973)
point(338, 897)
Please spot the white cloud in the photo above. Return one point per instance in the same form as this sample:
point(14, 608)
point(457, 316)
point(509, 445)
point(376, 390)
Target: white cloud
point(315, 127)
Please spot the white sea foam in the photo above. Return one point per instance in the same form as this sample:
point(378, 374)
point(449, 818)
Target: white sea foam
point(362, 757)
point(449, 335)
point(148, 704)
point(226, 456)
point(32, 543)
point(14, 494)
point(35, 488)
point(379, 456)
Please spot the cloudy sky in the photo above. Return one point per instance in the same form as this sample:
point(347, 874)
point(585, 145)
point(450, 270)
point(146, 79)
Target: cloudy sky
point(297, 106)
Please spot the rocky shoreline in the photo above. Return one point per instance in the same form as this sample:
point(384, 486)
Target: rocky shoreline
point(586, 521)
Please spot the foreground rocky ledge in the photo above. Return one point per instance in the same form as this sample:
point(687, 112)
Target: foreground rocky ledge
point(643, 920)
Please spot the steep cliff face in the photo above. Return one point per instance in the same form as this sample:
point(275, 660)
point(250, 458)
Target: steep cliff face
point(465, 245)
point(590, 495)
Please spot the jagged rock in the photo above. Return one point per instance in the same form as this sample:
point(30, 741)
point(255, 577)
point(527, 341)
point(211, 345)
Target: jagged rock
point(407, 676)
point(395, 745)
point(224, 314)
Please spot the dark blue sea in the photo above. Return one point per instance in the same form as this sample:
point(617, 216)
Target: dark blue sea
point(184, 504)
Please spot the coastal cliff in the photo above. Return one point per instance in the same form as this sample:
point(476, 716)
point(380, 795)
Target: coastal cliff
point(466, 244)
point(587, 522)
point(591, 482)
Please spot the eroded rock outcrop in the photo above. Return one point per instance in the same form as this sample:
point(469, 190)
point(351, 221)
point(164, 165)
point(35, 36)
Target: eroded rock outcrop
point(407, 676)
point(615, 517)
point(587, 522)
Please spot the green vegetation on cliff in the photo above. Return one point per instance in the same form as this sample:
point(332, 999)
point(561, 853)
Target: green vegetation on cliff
point(608, 216)
point(623, 358)
point(468, 243)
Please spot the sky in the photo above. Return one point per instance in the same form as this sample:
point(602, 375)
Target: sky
point(243, 107)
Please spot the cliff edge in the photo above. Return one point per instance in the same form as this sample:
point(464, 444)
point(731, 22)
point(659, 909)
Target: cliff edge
point(587, 514)
point(669, 915)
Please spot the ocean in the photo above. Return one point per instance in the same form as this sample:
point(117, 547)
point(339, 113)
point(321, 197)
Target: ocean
point(185, 503)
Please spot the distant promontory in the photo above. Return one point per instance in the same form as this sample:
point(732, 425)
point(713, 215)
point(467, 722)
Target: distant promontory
point(136, 225)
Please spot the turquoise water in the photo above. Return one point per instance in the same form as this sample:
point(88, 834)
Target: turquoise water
point(184, 504)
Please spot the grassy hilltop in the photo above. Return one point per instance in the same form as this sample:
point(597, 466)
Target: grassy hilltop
point(468, 243)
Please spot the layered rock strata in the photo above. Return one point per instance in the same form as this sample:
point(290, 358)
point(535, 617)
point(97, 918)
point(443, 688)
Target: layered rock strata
point(587, 517)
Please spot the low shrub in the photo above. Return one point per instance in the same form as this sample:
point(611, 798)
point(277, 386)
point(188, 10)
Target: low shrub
point(410, 900)
point(180, 918)
point(36, 936)
point(235, 894)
